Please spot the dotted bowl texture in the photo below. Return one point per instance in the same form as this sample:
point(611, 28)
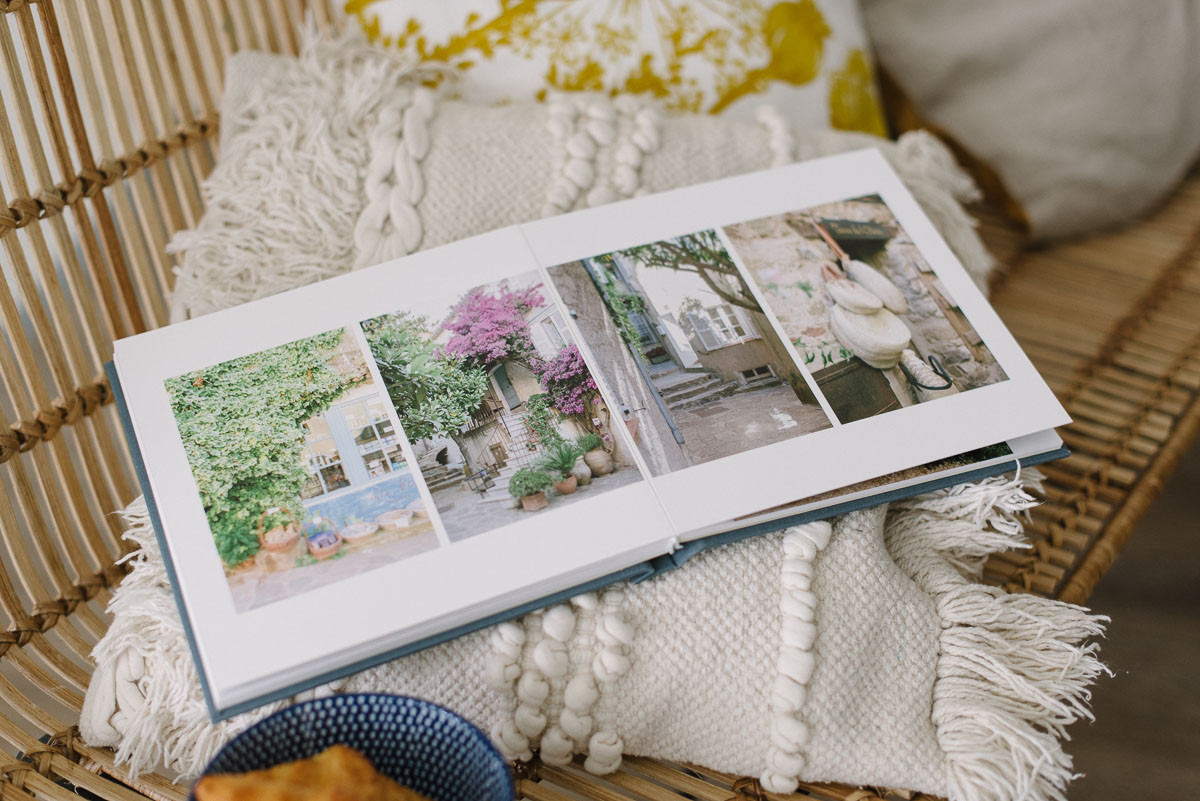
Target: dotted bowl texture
point(421, 745)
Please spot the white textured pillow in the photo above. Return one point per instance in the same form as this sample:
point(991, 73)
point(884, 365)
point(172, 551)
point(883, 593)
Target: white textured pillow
point(334, 199)
point(1087, 110)
point(808, 57)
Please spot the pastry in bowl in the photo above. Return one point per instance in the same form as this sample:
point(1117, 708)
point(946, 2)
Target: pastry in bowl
point(338, 773)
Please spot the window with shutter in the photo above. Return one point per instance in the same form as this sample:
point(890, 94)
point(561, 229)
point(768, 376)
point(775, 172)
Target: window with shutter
point(710, 340)
point(726, 323)
point(554, 333)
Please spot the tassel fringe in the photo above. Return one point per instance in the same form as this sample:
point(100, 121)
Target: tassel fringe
point(1014, 670)
point(307, 200)
point(164, 723)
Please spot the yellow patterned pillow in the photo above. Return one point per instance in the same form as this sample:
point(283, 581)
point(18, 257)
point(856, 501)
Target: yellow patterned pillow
point(809, 58)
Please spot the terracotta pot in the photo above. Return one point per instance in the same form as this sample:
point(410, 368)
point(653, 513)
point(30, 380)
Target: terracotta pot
point(395, 519)
point(599, 461)
point(532, 503)
point(631, 424)
point(358, 532)
point(567, 485)
point(582, 473)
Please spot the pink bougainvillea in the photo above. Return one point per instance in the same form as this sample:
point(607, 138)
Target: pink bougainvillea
point(566, 380)
point(488, 328)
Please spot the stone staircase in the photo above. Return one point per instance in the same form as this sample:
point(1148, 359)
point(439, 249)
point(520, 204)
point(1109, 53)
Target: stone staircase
point(498, 493)
point(438, 476)
point(683, 390)
point(518, 433)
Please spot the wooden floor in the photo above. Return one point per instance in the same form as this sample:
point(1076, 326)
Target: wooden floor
point(1145, 742)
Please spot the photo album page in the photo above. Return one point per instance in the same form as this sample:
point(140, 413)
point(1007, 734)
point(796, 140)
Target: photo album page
point(415, 449)
point(791, 335)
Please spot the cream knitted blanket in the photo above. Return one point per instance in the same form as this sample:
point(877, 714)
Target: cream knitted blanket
point(860, 651)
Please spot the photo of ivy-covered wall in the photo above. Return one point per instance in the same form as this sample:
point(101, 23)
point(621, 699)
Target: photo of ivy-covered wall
point(299, 467)
point(499, 404)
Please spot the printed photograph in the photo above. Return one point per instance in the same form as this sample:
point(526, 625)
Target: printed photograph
point(299, 466)
point(870, 319)
point(500, 408)
point(679, 336)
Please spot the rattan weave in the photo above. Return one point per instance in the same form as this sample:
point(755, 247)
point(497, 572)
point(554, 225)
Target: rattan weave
point(106, 129)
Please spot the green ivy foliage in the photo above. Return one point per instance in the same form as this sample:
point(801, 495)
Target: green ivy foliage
point(434, 395)
point(242, 425)
point(621, 304)
point(542, 420)
point(589, 442)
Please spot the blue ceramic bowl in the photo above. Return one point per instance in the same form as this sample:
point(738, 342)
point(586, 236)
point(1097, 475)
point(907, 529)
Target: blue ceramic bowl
point(421, 745)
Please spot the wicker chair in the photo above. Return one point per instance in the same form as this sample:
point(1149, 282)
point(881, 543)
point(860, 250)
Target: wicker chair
point(107, 128)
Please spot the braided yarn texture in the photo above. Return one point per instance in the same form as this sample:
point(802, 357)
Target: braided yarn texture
point(340, 159)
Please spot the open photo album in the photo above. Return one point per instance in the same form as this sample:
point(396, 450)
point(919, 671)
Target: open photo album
point(363, 467)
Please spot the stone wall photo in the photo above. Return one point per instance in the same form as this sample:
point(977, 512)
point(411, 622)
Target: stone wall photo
point(865, 311)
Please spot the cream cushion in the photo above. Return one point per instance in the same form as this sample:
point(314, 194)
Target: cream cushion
point(1087, 110)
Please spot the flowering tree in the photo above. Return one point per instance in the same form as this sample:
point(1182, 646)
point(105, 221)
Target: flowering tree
point(490, 328)
point(434, 395)
point(566, 380)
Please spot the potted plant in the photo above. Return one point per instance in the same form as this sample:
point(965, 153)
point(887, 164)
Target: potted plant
point(598, 459)
point(278, 529)
point(558, 460)
point(323, 537)
point(358, 530)
point(530, 486)
point(582, 473)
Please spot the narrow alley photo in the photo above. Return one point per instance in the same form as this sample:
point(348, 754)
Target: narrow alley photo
point(678, 335)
